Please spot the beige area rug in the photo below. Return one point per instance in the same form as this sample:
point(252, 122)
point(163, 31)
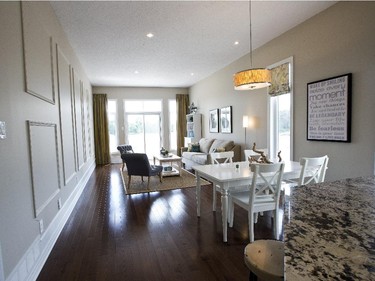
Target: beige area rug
point(185, 180)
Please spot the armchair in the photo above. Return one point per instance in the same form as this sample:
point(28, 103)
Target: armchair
point(124, 148)
point(138, 164)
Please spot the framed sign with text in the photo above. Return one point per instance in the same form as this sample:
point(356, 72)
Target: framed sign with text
point(329, 109)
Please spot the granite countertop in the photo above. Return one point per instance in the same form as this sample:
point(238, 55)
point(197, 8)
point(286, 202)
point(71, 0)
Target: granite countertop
point(331, 231)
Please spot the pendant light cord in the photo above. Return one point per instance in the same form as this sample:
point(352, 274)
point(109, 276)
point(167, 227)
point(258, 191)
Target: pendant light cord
point(250, 39)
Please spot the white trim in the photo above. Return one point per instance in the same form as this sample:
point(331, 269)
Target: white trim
point(291, 76)
point(32, 262)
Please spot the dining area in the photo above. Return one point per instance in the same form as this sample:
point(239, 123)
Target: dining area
point(321, 230)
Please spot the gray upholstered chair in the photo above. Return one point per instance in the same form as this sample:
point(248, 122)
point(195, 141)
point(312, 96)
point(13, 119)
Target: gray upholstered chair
point(124, 148)
point(138, 164)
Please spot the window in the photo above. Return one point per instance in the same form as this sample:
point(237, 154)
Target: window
point(112, 125)
point(143, 125)
point(280, 110)
point(172, 125)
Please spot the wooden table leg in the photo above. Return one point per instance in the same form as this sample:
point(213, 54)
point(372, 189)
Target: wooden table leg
point(224, 213)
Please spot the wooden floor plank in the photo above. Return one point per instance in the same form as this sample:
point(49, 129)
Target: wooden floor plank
point(156, 236)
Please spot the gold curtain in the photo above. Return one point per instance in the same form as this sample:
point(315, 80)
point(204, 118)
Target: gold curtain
point(182, 105)
point(101, 135)
point(279, 80)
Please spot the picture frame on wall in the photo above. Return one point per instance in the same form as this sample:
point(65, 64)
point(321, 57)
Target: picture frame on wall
point(329, 103)
point(226, 119)
point(214, 121)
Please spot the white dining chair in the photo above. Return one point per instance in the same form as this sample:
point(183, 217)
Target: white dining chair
point(218, 158)
point(313, 170)
point(263, 195)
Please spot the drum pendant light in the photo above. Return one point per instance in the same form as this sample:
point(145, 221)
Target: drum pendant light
point(253, 78)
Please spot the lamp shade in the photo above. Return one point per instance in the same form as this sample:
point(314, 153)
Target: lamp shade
point(252, 79)
point(245, 121)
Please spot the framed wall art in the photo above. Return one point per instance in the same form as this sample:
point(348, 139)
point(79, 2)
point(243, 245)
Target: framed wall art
point(226, 119)
point(329, 109)
point(214, 121)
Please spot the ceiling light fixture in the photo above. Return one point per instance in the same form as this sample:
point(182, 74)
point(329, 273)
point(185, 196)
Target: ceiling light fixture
point(150, 35)
point(253, 78)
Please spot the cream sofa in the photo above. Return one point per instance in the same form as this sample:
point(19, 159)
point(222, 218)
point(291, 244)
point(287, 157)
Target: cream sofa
point(207, 146)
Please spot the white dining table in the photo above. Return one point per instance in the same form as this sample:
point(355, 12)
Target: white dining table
point(228, 178)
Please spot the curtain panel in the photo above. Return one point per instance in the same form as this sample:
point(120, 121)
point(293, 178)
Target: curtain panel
point(279, 80)
point(101, 135)
point(182, 105)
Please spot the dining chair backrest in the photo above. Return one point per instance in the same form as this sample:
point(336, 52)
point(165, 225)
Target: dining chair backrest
point(313, 170)
point(266, 184)
point(252, 153)
point(137, 164)
point(222, 157)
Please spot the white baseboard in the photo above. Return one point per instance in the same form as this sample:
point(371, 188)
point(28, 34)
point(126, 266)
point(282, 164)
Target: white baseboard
point(32, 262)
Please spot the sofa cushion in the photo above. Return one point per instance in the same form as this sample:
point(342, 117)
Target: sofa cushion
point(197, 157)
point(205, 145)
point(228, 145)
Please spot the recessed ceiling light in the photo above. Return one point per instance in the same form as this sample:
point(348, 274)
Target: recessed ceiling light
point(150, 35)
point(136, 72)
point(236, 43)
point(192, 74)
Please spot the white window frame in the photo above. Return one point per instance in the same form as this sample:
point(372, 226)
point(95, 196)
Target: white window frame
point(159, 113)
point(272, 121)
point(116, 125)
point(174, 149)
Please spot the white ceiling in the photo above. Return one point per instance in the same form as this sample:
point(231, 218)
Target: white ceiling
point(197, 37)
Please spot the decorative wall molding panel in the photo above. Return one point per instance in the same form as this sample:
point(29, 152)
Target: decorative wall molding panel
point(79, 126)
point(88, 124)
point(44, 158)
point(66, 116)
point(38, 56)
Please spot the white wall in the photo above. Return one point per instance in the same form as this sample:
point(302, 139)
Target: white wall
point(337, 41)
point(33, 171)
point(122, 93)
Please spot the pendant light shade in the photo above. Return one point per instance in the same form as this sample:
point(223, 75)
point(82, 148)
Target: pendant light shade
point(252, 79)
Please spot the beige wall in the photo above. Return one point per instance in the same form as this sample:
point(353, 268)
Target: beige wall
point(34, 171)
point(334, 42)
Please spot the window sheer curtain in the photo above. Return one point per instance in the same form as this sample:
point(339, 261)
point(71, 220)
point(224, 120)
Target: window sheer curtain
point(182, 105)
point(101, 135)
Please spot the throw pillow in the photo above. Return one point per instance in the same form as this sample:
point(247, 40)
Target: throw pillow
point(195, 148)
point(190, 146)
point(219, 149)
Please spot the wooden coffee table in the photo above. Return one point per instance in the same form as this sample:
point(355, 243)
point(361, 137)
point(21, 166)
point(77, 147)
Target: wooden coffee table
point(172, 159)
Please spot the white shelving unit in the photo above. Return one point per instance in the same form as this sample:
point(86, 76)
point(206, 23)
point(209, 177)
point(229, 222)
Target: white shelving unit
point(193, 128)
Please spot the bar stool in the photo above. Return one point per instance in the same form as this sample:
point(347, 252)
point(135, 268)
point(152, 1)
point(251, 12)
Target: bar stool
point(265, 259)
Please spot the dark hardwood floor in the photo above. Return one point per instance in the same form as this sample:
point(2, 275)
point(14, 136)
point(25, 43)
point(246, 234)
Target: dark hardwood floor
point(156, 236)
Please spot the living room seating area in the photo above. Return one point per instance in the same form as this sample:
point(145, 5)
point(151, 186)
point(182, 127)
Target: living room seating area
point(199, 153)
